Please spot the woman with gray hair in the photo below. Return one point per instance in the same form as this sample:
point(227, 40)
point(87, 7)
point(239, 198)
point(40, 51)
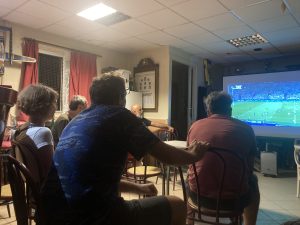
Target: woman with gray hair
point(33, 139)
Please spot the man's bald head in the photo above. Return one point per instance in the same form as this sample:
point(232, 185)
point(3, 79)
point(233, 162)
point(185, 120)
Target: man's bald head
point(137, 110)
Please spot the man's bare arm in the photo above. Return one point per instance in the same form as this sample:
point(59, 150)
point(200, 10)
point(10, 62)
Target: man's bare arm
point(162, 126)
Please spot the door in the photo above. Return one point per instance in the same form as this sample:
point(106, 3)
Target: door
point(180, 99)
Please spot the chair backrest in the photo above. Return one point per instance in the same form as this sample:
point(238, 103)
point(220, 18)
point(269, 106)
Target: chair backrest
point(297, 154)
point(25, 151)
point(22, 183)
point(224, 175)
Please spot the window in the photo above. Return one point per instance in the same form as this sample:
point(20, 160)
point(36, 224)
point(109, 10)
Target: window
point(50, 73)
point(54, 71)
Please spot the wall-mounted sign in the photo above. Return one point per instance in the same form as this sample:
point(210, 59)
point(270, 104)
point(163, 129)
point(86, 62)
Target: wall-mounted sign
point(146, 81)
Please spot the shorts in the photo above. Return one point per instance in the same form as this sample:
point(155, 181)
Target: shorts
point(147, 211)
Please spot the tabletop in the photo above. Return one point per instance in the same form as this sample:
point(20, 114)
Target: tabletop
point(177, 144)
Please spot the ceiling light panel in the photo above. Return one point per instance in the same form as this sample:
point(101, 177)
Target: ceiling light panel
point(247, 40)
point(96, 12)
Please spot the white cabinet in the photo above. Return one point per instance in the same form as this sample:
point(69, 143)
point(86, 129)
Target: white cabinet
point(133, 98)
point(268, 162)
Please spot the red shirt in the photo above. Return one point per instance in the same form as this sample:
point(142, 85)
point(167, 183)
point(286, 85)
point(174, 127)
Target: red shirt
point(222, 132)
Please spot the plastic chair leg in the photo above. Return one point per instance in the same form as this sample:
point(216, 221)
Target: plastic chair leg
point(175, 177)
point(298, 187)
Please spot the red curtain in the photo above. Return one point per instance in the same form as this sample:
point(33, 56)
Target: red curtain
point(82, 70)
point(30, 70)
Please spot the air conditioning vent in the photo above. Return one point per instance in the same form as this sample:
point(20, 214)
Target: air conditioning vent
point(114, 18)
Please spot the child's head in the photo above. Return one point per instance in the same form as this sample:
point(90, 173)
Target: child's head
point(38, 102)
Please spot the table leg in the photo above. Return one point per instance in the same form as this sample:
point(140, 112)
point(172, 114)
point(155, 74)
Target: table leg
point(182, 183)
point(163, 179)
point(168, 180)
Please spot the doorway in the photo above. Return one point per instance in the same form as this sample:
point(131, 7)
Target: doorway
point(179, 99)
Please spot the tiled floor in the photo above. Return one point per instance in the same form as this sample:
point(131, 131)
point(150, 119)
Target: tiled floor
point(278, 200)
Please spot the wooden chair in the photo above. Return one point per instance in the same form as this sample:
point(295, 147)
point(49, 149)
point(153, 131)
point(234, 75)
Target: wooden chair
point(219, 207)
point(25, 192)
point(140, 174)
point(5, 192)
point(25, 152)
point(6, 148)
point(297, 161)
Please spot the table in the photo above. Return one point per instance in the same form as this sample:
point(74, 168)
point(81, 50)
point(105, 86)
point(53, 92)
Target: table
point(176, 144)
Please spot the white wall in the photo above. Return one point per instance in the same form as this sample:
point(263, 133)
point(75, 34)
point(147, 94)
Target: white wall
point(159, 56)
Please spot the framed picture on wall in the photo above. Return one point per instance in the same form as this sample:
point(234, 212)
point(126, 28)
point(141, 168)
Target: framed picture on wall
point(146, 82)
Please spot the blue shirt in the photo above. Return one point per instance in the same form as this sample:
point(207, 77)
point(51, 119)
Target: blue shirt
point(92, 152)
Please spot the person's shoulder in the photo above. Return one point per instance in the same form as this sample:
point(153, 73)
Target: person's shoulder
point(108, 112)
point(237, 121)
point(126, 114)
point(241, 124)
point(197, 124)
point(63, 116)
point(41, 130)
point(37, 133)
point(123, 109)
point(45, 129)
point(200, 121)
point(105, 108)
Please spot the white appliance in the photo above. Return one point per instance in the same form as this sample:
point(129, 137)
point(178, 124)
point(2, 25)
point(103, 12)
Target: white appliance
point(133, 98)
point(268, 163)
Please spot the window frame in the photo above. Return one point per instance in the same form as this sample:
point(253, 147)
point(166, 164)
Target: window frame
point(66, 56)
